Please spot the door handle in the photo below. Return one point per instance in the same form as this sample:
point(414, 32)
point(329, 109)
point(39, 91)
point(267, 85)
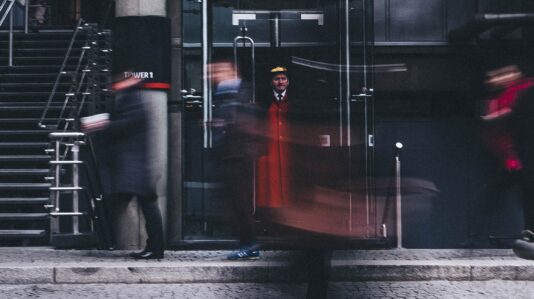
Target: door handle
point(192, 100)
point(359, 97)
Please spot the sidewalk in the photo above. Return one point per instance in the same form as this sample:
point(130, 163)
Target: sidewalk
point(35, 265)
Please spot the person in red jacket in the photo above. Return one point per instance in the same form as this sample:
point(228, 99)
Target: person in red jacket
point(274, 175)
point(508, 122)
point(499, 135)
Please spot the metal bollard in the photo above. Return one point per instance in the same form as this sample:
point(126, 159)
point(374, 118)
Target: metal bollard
point(398, 195)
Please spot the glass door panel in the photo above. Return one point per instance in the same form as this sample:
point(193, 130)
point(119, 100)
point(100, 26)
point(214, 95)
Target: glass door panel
point(322, 148)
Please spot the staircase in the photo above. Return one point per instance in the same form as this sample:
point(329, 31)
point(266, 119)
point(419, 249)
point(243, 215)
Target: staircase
point(25, 89)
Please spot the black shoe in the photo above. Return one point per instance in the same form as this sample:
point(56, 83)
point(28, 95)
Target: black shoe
point(527, 235)
point(138, 254)
point(147, 255)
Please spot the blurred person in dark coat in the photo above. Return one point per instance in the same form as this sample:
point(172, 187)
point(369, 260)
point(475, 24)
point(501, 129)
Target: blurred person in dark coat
point(126, 166)
point(236, 145)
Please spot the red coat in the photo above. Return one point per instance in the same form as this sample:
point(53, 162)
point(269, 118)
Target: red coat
point(498, 135)
point(274, 176)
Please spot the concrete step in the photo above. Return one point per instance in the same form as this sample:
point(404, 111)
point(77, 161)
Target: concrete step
point(41, 51)
point(24, 69)
point(24, 186)
point(23, 216)
point(24, 132)
point(46, 265)
point(22, 233)
point(24, 172)
point(24, 158)
point(24, 144)
point(23, 200)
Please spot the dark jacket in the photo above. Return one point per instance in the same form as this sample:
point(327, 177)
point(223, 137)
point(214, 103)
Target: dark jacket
point(237, 126)
point(523, 130)
point(125, 160)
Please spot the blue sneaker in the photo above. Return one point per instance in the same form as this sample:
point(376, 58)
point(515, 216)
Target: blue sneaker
point(244, 254)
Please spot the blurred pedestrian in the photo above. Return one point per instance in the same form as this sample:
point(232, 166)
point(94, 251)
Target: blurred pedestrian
point(127, 169)
point(38, 12)
point(509, 131)
point(236, 146)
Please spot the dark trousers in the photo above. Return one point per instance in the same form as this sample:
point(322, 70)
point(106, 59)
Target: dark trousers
point(527, 194)
point(318, 264)
point(153, 221)
point(495, 192)
point(238, 182)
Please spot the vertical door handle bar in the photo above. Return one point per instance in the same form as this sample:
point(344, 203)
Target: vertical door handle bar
point(253, 60)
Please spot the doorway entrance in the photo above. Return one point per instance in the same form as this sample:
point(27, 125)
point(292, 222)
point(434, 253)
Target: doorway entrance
point(325, 164)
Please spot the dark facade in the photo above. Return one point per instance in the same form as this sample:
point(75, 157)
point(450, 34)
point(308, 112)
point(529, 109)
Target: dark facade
point(432, 106)
point(367, 73)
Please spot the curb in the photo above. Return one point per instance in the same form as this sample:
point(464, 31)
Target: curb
point(258, 271)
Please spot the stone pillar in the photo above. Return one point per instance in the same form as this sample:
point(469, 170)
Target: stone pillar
point(142, 45)
point(132, 8)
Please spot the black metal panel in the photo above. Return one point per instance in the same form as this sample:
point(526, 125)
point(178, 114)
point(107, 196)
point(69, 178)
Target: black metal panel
point(500, 6)
point(298, 31)
point(224, 31)
point(460, 12)
point(192, 22)
point(411, 21)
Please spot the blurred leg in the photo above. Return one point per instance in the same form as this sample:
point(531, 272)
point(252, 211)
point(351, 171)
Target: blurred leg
point(153, 223)
point(318, 272)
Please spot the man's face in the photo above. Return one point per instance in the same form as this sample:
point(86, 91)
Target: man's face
point(221, 71)
point(279, 82)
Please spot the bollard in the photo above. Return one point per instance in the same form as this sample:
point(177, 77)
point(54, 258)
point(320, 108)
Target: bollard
point(398, 195)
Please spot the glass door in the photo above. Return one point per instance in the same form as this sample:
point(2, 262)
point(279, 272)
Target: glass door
point(304, 157)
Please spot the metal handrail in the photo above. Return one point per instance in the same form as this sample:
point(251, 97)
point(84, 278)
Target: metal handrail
point(94, 189)
point(60, 74)
point(77, 88)
point(8, 10)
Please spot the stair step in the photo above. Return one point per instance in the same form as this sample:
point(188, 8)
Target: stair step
point(20, 108)
point(26, 233)
point(42, 51)
point(24, 144)
point(24, 158)
point(24, 132)
point(26, 85)
point(23, 200)
point(41, 94)
point(33, 68)
point(25, 120)
point(66, 33)
point(11, 105)
point(45, 43)
point(42, 59)
point(33, 186)
point(26, 75)
point(23, 216)
point(24, 171)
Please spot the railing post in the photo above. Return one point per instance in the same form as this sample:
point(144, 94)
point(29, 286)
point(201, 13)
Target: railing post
point(54, 221)
point(26, 15)
point(398, 196)
point(76, 184)
point(11, 36)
